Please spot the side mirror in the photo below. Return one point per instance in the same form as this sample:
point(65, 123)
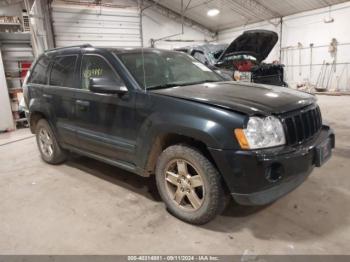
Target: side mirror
point(105, 86)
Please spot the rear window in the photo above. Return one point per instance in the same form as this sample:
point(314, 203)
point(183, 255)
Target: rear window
point(62, 72)
point(38, 74)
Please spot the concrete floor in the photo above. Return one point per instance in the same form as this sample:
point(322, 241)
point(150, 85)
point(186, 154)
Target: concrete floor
point(87, 207)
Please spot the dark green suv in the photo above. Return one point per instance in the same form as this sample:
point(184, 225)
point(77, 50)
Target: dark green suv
point(162, 113)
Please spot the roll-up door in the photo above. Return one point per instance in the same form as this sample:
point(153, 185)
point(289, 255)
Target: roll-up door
point(75, 24)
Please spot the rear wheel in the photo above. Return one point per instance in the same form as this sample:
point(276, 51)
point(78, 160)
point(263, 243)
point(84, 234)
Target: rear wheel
point(49, 148)
point(189, 184)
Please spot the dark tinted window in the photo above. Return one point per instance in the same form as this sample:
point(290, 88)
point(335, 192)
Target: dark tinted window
point(96, 67)
point(62, 72)
point(38, 74)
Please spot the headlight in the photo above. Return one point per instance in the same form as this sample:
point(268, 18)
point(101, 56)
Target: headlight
point(261, 133)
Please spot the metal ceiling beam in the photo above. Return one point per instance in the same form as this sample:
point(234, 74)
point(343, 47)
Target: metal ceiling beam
point(326, 2)
point(187, 6)
point(180, 18)
point(258, 9)
point(267, 9)
point(251, 9)
point(236, 8)
point(200, 4)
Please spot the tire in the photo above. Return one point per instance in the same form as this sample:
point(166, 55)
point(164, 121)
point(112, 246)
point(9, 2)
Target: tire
point(45, 138)
point(178, 192)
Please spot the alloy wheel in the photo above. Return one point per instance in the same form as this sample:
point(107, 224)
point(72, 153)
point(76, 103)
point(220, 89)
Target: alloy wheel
point(184, 185)
point(45, 142)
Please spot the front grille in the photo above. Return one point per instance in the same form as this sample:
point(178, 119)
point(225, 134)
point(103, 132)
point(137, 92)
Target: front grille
point(302, 125)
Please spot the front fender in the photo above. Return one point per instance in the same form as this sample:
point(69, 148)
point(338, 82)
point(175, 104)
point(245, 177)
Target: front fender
point(211, 133)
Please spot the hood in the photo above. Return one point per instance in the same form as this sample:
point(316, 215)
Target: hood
point(251, 99)
point(257, 43)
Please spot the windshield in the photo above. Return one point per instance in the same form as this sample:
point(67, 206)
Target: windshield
point(162, 69)
point(215, 51)
point(216, 55)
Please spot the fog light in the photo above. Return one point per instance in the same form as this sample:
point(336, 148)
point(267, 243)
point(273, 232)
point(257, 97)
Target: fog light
point(274, 172)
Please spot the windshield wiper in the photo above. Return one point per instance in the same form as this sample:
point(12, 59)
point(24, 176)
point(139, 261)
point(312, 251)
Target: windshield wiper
point(202, 82)
point(161, 86)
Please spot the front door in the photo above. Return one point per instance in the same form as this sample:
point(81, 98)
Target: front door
point(104, 122)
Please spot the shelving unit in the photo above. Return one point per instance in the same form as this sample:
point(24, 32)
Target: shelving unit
point(17, 56)
point(10, 24)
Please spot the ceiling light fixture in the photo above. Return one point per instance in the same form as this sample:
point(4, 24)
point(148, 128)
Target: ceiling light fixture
point(213, 12)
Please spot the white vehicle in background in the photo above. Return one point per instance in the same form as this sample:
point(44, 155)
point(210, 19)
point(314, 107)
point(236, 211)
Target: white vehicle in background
point(242, 60)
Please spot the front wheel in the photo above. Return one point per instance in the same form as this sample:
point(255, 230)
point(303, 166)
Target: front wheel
point(189, 184)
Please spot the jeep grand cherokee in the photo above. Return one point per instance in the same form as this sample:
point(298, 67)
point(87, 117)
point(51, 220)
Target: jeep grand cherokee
point(162, 113)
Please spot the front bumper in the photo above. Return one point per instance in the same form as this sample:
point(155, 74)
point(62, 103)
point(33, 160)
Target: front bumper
point(262, 176)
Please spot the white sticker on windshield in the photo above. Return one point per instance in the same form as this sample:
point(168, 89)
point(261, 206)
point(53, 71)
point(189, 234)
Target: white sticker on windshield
point(201, 66)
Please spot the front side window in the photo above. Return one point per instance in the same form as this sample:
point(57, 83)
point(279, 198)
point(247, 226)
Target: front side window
point(162, 69)
point(38, 74)
point(63, 71)
point(96, 67)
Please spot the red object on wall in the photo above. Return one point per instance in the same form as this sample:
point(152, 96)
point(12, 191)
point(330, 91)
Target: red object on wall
point(25, 67)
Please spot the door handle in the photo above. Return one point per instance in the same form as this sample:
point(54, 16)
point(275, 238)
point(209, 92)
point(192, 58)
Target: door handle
point(82, 103)
point(47, 96)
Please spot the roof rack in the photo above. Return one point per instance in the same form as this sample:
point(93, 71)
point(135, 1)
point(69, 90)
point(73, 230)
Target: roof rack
point(65, 47)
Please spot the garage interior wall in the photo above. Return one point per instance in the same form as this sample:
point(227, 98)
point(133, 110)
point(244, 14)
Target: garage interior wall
point(77, 23)
point(298, 32)
point(11, 10)
point(156, 26)
point(119, 25)
point(310, 28)
point(41, 30)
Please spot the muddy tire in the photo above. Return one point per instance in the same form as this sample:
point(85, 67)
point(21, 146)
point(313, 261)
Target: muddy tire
point(189, 184)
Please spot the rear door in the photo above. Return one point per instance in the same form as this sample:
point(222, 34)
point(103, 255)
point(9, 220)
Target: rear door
point(60, 94)
point(34, 88)
point(105, 122)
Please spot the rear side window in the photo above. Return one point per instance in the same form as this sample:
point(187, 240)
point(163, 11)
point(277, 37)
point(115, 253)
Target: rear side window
point(38, 74)
point(94, 66)
point(62, 72)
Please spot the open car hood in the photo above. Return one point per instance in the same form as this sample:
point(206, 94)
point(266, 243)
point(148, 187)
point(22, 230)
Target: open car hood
point(257, 43)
